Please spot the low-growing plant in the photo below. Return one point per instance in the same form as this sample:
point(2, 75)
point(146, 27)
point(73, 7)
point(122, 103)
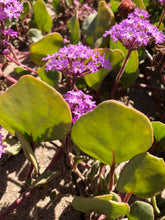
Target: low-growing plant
point(55, 102)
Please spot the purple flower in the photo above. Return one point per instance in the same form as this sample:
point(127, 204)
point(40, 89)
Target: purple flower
point(11, 9)
point(1, 145)
point(135, 31)
point(77, 61)
point(162, 2)
point(79, 103)
point(10, 32)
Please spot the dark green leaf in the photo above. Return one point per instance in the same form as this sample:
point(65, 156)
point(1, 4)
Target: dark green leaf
point(42, 17)
point(52, 77)
point(74, 27)
point(144, 176)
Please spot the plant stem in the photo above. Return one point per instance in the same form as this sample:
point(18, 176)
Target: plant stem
point(127, 197)
point(155, 205)
point(161, 19)
point(19, 64)
point(55, 159)
point(120, 74)
point(15, 204)
point(111, 182)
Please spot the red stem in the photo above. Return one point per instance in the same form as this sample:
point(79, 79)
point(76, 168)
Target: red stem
point(161, 19)
point(55, 159)
point(19, 64)
point(120, 74)
point(127, 197)
point(111, 182)
point(15, 204)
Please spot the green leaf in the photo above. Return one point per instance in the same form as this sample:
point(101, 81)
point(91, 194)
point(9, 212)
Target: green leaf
point(95, 25)
point(88, 29)
point(13, 146)
point(144, 176)
point(57, 6)
point(140, 4)
point(114, 5)
point(21, 70)
point(26, 7)
point(74, 27)
point(52, 77)
point(49, 44)
point(42, 17)
point(104, 20)
point(34, 109)
point(141, 210)
point(100, 205)
point(35, 34)
point(94, 80)
point(27, 149)
point(45, 178)
point(113, 128)
point(159, 134)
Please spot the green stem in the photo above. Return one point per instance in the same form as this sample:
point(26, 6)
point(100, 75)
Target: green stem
point(120, 74)
point(155, 205)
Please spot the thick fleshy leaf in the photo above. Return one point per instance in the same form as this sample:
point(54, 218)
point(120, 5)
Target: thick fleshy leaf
point(114, 5)
point(113, 128)
point(26, 7)
point(49, 44)
point(139, 4)
point(144, 176)
point(42, 17)
point(52, 77)
point(131, 71)
point(104, 20)
point(57, 6)
point(13, 146)
point(45, 178)
point(88, 29)
point(159, 134)
point(35, 34)
point(94, 80)
point(95, 25)
point(27, 149)
point(100, 205)
point(141, 210)
point(34, 109)
point(74, 27)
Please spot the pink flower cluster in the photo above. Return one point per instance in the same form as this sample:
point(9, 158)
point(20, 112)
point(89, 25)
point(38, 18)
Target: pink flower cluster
point(79, 103)
point(8, 10)
point(77, 61)
point(135, 31)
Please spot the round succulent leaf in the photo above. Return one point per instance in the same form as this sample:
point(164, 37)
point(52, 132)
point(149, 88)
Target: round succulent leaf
point(34, 109)
point(159, 134)
point(52, 77)
point(42, 17)
point(49, 44)
point(141, 210)
point(144, 176)
point(74, 27)
point(113, 128)
point(100, 205)
point(140, 4)
point(94, 80)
